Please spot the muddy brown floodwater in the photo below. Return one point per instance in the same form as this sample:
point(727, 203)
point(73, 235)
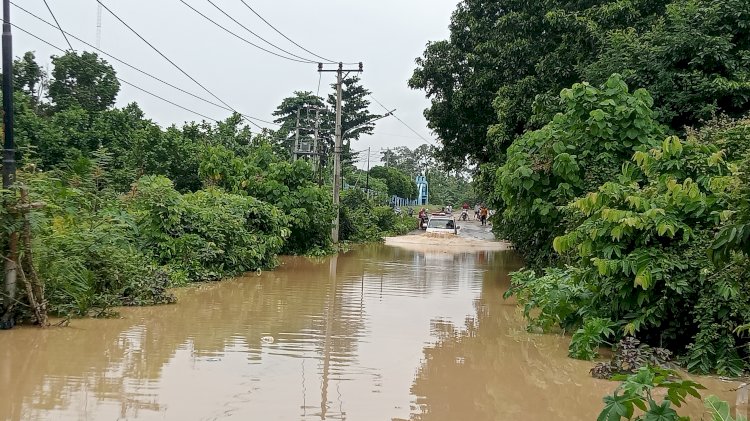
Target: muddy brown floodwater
point(379, 333)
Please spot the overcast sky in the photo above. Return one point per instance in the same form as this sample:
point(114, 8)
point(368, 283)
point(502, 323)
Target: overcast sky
point(386, 35)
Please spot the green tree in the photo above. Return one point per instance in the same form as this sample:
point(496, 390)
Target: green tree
point(495, 77)
point(84, 81)
point(581, 148)
point(399, 184)
point(286, 115)
point(29, 77)
point(693, 60)
point(356, 119)
point(411, 162)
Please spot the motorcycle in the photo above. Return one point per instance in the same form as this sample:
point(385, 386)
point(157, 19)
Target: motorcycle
point(422, 222)
point(464, 215)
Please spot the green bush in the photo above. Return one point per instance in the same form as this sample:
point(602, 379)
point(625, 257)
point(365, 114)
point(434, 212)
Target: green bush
point(363, 221)
point(86, 246)
point(208, 234)
point(638, 391)
point(289, 186)
point(579, 150)
point(638, 254)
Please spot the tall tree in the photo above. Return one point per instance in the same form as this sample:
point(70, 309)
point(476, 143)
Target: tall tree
point(356, 119)
point(306, 102)
point(28, 76)
point(694, 60)
point(411, 162)
point(504, 57)
point(83, 80)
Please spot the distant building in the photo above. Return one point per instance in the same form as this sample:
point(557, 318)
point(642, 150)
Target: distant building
point(424, 190)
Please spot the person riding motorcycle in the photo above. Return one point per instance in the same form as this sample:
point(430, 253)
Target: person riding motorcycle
point(421, 218)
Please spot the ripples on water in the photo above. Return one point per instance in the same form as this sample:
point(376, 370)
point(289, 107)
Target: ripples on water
point(379, 333)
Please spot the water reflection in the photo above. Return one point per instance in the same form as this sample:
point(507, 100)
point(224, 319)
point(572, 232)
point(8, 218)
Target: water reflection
point(377, 333)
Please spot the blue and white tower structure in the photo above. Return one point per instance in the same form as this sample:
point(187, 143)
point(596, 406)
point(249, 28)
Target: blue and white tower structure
point(424, 190)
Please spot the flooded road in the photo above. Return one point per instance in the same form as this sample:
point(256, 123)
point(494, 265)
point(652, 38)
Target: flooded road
point(379, 333)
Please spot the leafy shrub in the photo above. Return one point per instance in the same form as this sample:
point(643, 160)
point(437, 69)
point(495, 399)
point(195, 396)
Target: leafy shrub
point(549, 301)
point(637, 391)
point(586, 341)
point(363, 221)
point(579, 150)
point(86, 247)
point(639, 256)
point(289, 186)
point(208, 234)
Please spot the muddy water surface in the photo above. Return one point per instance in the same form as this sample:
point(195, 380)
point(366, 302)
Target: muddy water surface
point(379, 333)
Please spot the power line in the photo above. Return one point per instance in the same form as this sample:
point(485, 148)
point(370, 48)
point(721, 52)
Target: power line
point(120, 79)
point(287, 38)
point(58, 25)
point(229, 31)
point(398, 135)
point(141, 70)
point(404, 123)
point(174, 64)
point(258, 36)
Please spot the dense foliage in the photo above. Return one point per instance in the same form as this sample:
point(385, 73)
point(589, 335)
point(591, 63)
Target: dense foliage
point(399, 184)
point(124, 209)
point(363, 220)
point(97, 248)
point(264, 175)
point(638, 254)
point(582, 147)
point(496, 77)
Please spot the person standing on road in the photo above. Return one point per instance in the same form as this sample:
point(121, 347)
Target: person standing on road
point(483, 215)
point(476, 212)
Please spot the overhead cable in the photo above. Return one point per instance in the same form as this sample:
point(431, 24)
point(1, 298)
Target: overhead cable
point(58, 25)
point(256, 35)
point(174, 64)
point(287, 38)
point(120, 79)
point(402, 122)
point(229, 31)
point(141, 70)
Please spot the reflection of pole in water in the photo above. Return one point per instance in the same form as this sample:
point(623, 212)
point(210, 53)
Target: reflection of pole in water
point(327, 346)
point(304, 391)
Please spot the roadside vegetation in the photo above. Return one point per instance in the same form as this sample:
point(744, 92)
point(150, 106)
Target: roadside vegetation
point(615, 149)
point(119, 210)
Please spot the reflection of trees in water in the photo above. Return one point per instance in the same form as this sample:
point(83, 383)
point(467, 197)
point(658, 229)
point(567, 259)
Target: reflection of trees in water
point(489, 369)
point(113, 358)
point(308, 311)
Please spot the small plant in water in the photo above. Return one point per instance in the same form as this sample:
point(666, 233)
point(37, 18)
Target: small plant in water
point(637, 393)
point(630, 356)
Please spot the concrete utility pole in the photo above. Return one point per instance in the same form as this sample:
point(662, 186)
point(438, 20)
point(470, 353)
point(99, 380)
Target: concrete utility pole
point(9, 167)
point(295, 148)
point(316, 157)
point(367, 177)
point(338, 146)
